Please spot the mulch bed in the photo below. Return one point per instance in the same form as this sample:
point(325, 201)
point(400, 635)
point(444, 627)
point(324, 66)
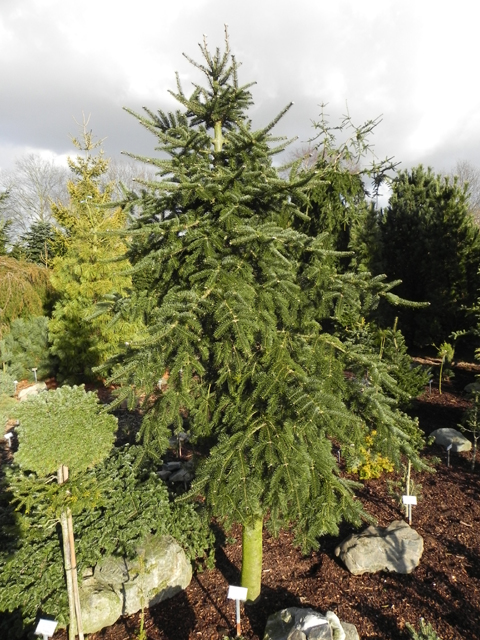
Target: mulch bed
point(444, 589)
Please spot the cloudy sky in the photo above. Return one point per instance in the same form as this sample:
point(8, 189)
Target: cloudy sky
point(414, 63)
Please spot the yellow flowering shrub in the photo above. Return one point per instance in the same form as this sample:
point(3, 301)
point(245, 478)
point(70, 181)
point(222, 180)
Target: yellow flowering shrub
point(370, 464)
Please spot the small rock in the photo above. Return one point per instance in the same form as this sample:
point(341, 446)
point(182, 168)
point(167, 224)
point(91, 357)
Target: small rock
point(296, 634)
point(172, 466)
point(33, 390)
point(296, 623)
point(473, 387)
point(101, 607)
point(122, 586)
point(447, 436)
point(397, 548)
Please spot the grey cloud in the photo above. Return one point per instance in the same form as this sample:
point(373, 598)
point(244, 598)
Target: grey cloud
point(364, 57)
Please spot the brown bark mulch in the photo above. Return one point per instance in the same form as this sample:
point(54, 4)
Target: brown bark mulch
point(444, 589)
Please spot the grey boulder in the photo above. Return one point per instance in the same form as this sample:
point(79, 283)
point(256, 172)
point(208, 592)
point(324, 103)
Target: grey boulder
point(101, 606)
point(396, 548)
point(121, 586)
point(296, 623)
point(447, 436)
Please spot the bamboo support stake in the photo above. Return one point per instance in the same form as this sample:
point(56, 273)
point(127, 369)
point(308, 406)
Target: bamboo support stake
point(76, 594)
point(70, 562)
point(408, 508)
point(62, 476)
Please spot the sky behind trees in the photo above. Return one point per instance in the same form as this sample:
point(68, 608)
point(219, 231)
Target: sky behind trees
point(412, 64)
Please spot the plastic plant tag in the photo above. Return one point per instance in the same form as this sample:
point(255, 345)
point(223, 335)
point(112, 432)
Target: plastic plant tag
point(237, 593)
point(409, 499)
point(46, 627)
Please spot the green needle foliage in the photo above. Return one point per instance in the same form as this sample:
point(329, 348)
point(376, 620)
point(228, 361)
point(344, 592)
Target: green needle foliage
point(431, 243)
point(4, 234)
point(7, 402)
point(254, 322)
point(115, 505)
point(425, 631)
point(471, 423)
point(63, 427)
point(39, 243)
point(88, 270)
point(26, 347)
point(7, 384)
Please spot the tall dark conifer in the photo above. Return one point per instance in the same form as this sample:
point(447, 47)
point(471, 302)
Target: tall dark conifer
point(432, 244)
point(253, 324)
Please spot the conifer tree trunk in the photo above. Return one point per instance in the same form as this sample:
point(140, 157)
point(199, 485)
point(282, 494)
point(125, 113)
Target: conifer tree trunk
point(252, 558)
point(218, 140)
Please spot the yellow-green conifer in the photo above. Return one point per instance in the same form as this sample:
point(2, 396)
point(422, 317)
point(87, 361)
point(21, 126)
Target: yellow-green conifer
point(90, 268)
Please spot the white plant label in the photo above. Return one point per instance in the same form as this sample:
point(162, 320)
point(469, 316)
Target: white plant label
point(409, 499)
point(46, 627)
point(237, 593)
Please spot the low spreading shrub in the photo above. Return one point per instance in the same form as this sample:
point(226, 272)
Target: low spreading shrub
point(367, 462)
point(7, 384)
point(425, 631)
point(114, 506)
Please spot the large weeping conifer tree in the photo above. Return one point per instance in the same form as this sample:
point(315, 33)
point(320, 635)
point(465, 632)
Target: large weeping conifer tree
point(243, 307)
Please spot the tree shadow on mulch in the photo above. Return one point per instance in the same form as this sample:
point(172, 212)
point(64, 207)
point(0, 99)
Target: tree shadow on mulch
point(227, 568)
point(178, 626)
point(269, 602)
point(383, 621)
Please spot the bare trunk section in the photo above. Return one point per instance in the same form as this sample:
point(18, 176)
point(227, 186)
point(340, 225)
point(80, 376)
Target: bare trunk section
point(218, 140)
point(252, 541)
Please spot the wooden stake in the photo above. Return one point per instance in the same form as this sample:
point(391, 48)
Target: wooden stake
point(76, 593)
point(408, 508)
point(237, 618)
point(62, 476)
point(70, 562)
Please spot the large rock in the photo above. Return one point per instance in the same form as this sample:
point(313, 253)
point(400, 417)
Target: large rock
point(296, 623)
point(121, 586)
point(447, 436)
point(101, 606)
point(33, 390)
point(397, 548)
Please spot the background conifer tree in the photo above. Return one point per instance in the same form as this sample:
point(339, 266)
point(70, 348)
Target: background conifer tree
point(86, 271)
point(26, 347)
point(430, 242)
point(38, 244)
point(253, 322)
